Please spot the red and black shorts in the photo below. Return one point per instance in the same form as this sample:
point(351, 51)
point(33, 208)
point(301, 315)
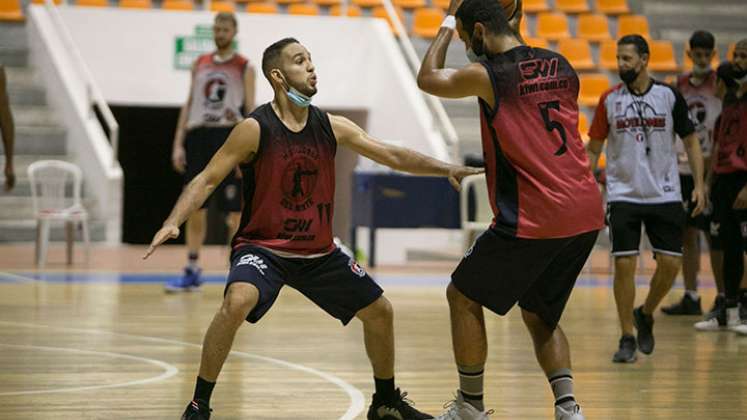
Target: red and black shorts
point(499, 270)
point(334, 282)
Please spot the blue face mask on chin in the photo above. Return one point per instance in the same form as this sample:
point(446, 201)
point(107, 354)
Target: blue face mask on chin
point(298, 98)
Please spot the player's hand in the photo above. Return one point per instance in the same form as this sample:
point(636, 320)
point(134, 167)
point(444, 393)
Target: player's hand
point(457, 173)
point(699, 200)
point(741, 202)
point(179, 159)
point(515, 22)
point(10, 177)
point(453, 6)
point(164, 234)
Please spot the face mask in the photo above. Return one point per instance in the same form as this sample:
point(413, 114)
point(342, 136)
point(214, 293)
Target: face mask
point(701, 70)
point(476, 54)
point(295, 96)
point(628, 76)
point(740, 76)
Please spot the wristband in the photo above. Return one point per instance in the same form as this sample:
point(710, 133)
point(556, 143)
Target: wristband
point(449, 22)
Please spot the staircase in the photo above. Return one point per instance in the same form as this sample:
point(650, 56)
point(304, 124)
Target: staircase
point(39, 135)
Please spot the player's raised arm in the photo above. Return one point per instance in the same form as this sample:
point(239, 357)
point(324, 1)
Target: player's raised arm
point(240, 146)
point(399, 158)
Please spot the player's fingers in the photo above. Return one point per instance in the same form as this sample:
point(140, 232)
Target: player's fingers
point(455, 183)
point(150, 250)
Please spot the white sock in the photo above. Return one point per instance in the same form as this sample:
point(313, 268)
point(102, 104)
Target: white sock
point(693, 294)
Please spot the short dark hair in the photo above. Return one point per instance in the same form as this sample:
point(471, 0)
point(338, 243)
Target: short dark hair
point(702, 39)
point(640, 43)
point(271, 56)
point(487, 12)
point(228, 17)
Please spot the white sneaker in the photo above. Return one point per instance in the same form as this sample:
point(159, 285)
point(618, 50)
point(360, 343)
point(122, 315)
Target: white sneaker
point(730, 321)
point(563, 414)
point(458, 409)
point(740, 329)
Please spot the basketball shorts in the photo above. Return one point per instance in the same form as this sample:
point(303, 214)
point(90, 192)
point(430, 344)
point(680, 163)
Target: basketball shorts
point(334, 282)
point(200, 145)
point(664, 224)
point(725, 189)
point(704, 219)
point(499, 270)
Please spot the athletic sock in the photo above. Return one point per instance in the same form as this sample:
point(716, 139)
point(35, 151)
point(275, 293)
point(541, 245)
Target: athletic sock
point(471, 385)
point(203, 391)
point(694, 295)
point(385, 389)
point(192, 260)
point(561, 382)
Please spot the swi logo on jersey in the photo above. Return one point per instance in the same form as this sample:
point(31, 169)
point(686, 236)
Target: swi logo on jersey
point(540, 75)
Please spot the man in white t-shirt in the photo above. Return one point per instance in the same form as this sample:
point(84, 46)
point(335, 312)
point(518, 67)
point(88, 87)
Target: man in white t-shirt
point(641, 119)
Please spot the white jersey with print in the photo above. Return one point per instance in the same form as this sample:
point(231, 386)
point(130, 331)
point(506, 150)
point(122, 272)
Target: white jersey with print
point(704, 108)
point(217, 91)
point(641, 131)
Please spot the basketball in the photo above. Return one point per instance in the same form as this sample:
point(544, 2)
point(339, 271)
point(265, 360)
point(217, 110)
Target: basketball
point(509, 7)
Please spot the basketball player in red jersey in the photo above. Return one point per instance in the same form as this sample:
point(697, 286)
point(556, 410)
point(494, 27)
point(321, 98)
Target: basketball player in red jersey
point(286, 151)
point(547, 206)
point(220, 94)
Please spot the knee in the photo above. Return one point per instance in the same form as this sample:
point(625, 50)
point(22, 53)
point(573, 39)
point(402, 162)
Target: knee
point(668, 262)
point(457, 300)
point(240, 299)
point(380, 310)
point(626, 261)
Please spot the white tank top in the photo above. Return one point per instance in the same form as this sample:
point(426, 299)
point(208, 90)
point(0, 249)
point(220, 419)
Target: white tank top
point(217, 92)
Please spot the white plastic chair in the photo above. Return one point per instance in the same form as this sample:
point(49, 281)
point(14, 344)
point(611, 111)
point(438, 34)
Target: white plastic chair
point(49, 179)
point(483, 213)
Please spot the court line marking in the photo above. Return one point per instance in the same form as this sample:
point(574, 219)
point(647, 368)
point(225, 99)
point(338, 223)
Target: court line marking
point(15, 278)
point(169, 370)
point(357, 401)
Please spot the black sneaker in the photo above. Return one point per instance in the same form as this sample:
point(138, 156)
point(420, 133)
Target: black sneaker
point(197, 411)
point(686, 306)
point(398, 409)
point(645, 326)
point(626, 350)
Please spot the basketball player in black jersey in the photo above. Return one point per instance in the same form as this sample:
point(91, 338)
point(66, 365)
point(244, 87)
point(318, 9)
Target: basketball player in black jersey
point(265, 256)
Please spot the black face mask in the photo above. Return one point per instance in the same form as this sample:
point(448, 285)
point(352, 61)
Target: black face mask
point(739, 74)
point(628, 76)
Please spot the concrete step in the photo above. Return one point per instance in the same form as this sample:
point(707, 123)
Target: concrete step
point(21, 164)
point(14, 56)
point(23, 230)
point(34, 116)
point(39, 140)
point(24, 88)
point(13, 35)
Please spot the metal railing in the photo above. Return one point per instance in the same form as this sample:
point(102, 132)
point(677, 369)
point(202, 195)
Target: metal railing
point(94, 96)
point(447, 128)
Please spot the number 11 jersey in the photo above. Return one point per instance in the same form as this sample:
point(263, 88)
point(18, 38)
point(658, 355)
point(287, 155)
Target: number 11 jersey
point(538, 176)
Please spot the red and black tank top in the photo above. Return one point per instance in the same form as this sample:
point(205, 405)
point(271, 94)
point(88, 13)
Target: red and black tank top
point(289, 187)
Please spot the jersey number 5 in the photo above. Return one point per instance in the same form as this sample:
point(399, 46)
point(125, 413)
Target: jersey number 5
point(551, 125)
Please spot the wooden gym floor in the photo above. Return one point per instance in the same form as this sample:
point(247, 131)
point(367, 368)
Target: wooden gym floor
point(103, 341)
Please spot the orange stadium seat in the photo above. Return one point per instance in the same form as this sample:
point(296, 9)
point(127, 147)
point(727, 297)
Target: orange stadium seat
point(135, 4)
point(578, 53)
point(57, 2)
point(593, 27)
point(367, 4)
point(92, 3)
point(380, 12)
point(583, 126)
point(572, 6)
point(612, 7)
point(662, 57)
point(592, 88)
point(353, 11)
point(633, 24)
point(303, 9)
point(535, 6)
point(10, 11)
point(443, 4)
point(536, 42)
point(327, 3)
point(409, 4)
point(427, 21)
point(222, 6)
point(608, 55)
point(553, 26)
point(178, 5)
point(289, 1)
point(687, 63)
point(262, 8)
